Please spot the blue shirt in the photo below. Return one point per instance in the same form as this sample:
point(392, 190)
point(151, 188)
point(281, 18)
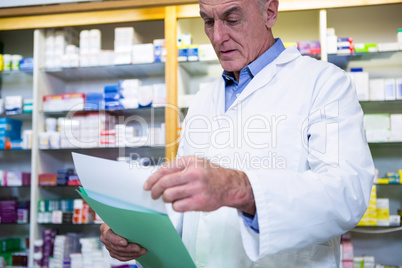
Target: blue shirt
point(234, 88)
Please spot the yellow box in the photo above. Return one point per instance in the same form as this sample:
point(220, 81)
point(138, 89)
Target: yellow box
point(383, 214)
point(367, 222)
point(383, 181)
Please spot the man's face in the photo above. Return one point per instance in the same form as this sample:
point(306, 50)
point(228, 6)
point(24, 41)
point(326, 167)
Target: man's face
point(237, 30)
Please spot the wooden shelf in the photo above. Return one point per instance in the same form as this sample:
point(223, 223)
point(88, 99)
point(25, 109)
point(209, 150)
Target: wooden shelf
point(82, 18)
point(192, 11)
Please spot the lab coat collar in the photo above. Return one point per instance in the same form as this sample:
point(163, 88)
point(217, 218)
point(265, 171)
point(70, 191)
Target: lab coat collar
point(259, 81)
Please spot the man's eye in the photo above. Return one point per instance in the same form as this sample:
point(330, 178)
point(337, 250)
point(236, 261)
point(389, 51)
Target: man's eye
point(209, 23)
point(232, 21)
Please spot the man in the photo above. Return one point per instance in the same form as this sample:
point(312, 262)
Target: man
point(273, 165)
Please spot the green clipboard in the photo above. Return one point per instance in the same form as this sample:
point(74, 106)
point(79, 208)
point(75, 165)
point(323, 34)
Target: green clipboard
point(155, 232)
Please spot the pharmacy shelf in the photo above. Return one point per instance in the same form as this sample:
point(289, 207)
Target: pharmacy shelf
point(377, 229)
point(389, 184)
point(19, 72)
point(375, 107)
point(16, 150)
point(22, 117)
point(386, 143)
point(125, 112)
point(106, 148)
point(108, 72)
point(15, 224)
point(198, 68)
point(342, 60)
point(70, 224)
point(59, 186)
point(11, 187)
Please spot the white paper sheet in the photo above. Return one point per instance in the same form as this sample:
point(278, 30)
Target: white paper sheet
point(117, 180)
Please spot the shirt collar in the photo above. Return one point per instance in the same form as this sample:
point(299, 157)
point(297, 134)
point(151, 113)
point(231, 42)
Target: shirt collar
point(256, 66)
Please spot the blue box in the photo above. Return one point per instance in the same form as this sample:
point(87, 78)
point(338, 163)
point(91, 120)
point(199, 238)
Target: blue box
point(10, 124)
point(12, 135)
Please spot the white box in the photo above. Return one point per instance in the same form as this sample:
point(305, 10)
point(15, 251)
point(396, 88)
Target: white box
point(361, 80)
point(377, 90)
point(143, 53)
point(206, 52)
point(159, 95)
point(390, 89)
point(332, 44)
point(95, 40)
point(122, 57)
point(382, 47)
point(394, 220)
point(396, 127)
point(398, 83)
point(377, 127)
point(13, 105)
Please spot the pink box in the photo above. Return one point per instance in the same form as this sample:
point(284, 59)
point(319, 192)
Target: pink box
point(347, 248)
point(347, 264)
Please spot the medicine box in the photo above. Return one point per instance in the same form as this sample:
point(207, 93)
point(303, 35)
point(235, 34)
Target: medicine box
point(361, 81)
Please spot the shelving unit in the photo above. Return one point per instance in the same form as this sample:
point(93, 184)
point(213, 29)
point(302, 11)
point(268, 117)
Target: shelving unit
point(16, 83)
point(182, 78)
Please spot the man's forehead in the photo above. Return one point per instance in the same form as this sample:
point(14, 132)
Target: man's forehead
point(209, 6)
point(218, 3)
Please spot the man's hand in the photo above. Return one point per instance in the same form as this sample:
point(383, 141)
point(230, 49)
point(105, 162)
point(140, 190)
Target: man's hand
point(196, 184)
point(118, 247)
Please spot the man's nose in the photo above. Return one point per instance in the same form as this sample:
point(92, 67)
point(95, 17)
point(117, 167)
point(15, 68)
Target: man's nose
point(220, 33)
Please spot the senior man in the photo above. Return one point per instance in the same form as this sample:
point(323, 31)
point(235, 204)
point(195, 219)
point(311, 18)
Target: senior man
point(273, 165)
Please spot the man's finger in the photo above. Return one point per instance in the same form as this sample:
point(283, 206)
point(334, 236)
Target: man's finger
point(166, 182)
point(115, 239)
point(183, 205)
point(173, 194)
point(168, 168)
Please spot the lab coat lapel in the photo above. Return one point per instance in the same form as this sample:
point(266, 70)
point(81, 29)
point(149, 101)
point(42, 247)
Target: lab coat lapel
point(218, 97)
point(267, 74)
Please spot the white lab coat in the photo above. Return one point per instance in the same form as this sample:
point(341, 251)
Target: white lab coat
point(297, 132)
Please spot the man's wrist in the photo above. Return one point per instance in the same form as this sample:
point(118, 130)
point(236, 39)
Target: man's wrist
point(241, 194)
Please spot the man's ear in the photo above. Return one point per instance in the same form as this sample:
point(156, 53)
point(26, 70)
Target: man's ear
point(271, 12)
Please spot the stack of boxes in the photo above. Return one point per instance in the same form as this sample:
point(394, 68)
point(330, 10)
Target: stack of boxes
point(94, 101)
point(346, 251)
point(383, 212)
point(370, 216)
point(377, 213)
point(66, 211)
point(8, 211)
point(345, 45)
point(64, 245)
point(12, 211)
point(383, 127)
point(385, 89)
point(14, 178)
point(48, 236)
point(92, 255)
point(55, 45)
point(309, 47)
point(361, 81)
point(124, 39)
point(127, 94)
point(10, 130)
point(129, 91)
point(90, 47)
point(8, 247)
